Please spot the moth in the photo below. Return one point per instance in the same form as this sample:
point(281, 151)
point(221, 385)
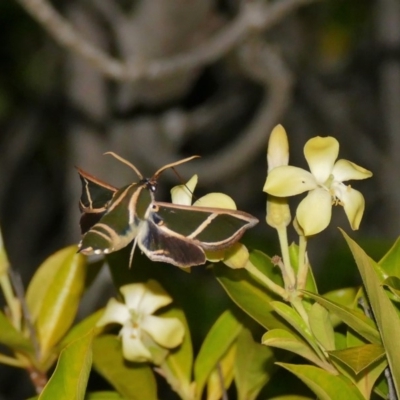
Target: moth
point(176, 234)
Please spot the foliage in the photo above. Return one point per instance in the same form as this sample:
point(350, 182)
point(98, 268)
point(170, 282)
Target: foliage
point(339, 344)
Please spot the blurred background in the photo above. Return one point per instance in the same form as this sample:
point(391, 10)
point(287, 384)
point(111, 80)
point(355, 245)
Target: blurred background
point(160, 80)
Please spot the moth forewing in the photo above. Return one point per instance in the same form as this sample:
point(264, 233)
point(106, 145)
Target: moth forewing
point(120, 224)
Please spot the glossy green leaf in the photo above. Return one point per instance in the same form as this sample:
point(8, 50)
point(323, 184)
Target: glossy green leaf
point(321, 326)
point(254, 366)
point(70, 377)
point(221, 377)
point(54, 293)
point(104, 396)
point(263, 263)
point(294, 319)
point(385, 314)
point(85, 326)
point(291, 397)
point(344, 297)
point(135, 381)
point(390, 262)
point(325, 385)
point(177, 366)
point(393, 284)
point(12, 338)
point(353, 318)
point(249, 295)
point(363, 364)
point(218, 340)
point(282, 339)
point(360, 357)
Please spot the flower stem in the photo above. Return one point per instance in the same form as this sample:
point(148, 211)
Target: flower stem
point(287, 272)
point(303, 263)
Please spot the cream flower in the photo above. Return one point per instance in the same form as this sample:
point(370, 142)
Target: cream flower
point(324, 185)
point(135, 316)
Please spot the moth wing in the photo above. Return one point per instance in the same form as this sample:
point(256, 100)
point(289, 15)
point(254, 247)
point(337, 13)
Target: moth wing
point(160, 245)
point(117, 227)
point(95, 198)
point(209, 228)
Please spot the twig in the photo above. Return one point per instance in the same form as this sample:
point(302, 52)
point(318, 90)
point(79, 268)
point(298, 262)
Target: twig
point(253, 17)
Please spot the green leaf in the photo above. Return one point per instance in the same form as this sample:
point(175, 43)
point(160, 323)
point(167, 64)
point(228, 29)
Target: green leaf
point(291, 397)
point(218, 340)
point(249, 295)
point(353, 318)
point(325, 385)
point(85, 326)
point(393, 284)
point(70, 377)
point(344, 297)
point(135, 381)
point(177, 366)
point(254, 366)
point(282, 339)
point(104, 396)
point(12, 338)
point(390, 262)
point(263, 263)
point(385, 314)
point(294, 319)
point(54, 293)
point(321, 326)
point(359, 358)
point(221, 377)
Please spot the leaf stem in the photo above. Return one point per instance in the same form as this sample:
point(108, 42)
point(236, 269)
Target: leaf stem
point(250, 267)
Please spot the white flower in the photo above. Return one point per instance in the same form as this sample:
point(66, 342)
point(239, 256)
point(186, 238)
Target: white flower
point(324, 185)
point(135, 316)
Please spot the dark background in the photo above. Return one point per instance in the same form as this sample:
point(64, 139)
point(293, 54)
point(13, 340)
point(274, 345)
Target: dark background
point(323, 68)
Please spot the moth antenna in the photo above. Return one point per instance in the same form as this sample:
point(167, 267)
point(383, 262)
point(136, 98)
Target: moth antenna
point(126, 162)
point(183, 182)
point(174, 164)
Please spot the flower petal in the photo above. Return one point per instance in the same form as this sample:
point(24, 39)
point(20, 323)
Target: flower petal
point(182, 194)
point(167, 332)
point(132, 347)
point(288, 181)
point(133, 294)
point(321, 153)
point(354, 204)
point(115, 312)
point(219, 200)
point(154, 298)
point(344, 170)
point(315, 211)
point(278, 148)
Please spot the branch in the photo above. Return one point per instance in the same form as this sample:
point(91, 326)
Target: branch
point(254, 16)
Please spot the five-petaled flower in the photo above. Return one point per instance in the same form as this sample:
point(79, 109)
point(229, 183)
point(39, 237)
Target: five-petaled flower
point(135, 316)
point(324, 185)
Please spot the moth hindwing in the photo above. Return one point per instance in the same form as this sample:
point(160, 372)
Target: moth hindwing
point(166, 232)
